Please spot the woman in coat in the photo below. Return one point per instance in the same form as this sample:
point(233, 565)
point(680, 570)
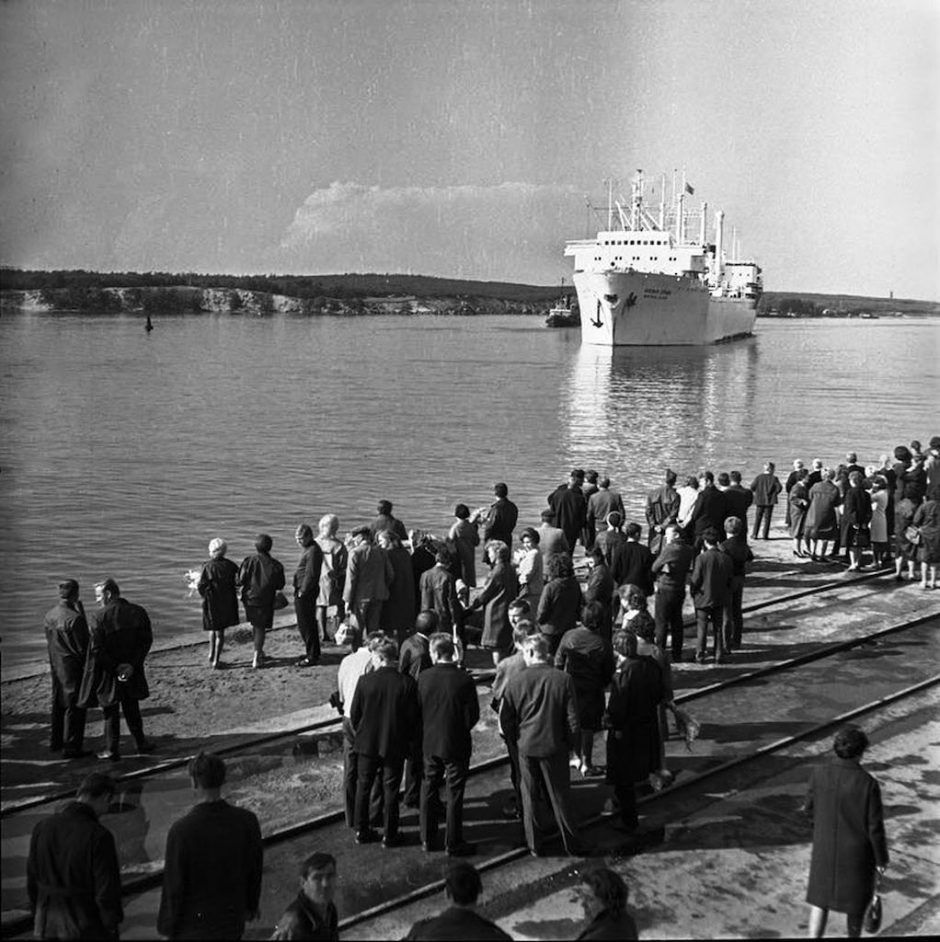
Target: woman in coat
point(260, 577)
point(927, 521)
point(880, 502)
point(500, 589)
point(466, 538)
point(822, 524)
point(798, 504)
point(219, 598)
point(856, 516)
point(561, 600)
point(848, 835)
point(332, 573)
point(399, 609)
point(632, 721)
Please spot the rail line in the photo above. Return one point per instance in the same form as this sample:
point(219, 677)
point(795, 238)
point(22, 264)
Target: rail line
point(145, 882)
point(519, 853)
point(333, 724)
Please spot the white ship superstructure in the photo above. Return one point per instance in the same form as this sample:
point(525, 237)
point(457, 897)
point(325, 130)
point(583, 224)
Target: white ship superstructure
point(644, 282)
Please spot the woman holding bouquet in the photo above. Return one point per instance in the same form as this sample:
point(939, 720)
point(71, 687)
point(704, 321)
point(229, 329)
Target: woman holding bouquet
point(219, 599)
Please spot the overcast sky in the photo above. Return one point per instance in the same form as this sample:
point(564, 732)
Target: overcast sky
point(461, 138)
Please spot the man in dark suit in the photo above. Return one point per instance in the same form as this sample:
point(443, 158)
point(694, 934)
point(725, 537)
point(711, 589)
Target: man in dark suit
point(538, 711)
point(414, 658)
point(671, 569)
point(632, 562)
point(708, 511)
point(462, 888)
point(738, 498)
point(570, 509)
point(72, 876)
point(369, 574)
point(662, 508)
point(501, 518)
point(213, 862)
point(306, 584)
point(711, 585)
point(114, 675)
point(766, 486)
point(67, 640)
point(385, 720)
point(552, 539)
point(450, 708)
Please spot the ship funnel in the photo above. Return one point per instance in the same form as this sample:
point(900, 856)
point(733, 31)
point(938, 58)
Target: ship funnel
point(719, 232)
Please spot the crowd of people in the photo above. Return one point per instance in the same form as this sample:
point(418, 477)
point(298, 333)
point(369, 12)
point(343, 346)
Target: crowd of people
point(571, 660)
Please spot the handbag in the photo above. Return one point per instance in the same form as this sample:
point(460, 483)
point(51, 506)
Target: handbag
point(873, 912)
point(912, 535)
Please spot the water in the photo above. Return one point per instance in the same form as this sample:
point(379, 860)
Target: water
point(123, 454)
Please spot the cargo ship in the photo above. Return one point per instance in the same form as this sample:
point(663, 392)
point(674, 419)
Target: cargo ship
point(644, 282)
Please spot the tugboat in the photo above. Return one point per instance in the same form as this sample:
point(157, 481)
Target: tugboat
point(563, 314)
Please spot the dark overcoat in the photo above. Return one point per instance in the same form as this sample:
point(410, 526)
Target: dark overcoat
point(450, 708)
point(856, 512)
point(632, 564)
point(399, 609)
point(607, 925)
point(798, 502)
point(927, 520)
point(501, 588)
point(219, 595)
point(212, 873)
point(67, 639)
point(120, 634)
point(559, 606)
point(260, 576)
point(385, 717)
point(439, 594)
point(821, 521)
point(457, 922)
point(72, 877)
point(633, 742)
point(848, 836)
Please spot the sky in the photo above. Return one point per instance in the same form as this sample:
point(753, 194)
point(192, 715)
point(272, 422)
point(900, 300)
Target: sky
point(464, 139)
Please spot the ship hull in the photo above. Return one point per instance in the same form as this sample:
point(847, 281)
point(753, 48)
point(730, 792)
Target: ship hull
point(631, 308)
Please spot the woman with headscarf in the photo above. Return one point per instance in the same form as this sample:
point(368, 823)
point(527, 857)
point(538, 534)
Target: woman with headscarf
point(849, 844)
point(332, 572)
point(219, 598)
point(880, 501)
point(465, 537)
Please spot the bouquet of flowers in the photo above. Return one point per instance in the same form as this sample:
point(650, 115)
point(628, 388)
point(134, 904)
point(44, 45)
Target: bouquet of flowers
point(192, 581)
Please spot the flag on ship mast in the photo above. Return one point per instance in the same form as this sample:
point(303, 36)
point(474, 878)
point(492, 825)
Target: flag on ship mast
point(689, 189)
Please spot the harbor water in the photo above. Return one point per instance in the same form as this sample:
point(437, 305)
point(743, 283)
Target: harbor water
point(123, 453)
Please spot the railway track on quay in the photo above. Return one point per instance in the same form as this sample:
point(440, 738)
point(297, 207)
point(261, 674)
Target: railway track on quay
point(285, 845)
point(332, 725)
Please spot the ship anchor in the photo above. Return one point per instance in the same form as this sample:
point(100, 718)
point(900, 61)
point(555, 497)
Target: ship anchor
point(631, 300)
point(598, 322)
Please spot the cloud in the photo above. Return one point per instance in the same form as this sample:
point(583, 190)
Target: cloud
point(509, 232)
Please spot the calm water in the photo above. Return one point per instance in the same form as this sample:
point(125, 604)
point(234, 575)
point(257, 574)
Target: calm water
point(123, 454)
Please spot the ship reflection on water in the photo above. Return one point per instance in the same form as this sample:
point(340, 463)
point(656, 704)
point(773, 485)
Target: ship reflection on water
point(648, 407)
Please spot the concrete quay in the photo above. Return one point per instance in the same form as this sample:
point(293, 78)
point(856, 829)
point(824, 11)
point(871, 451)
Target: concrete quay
point(520, 895)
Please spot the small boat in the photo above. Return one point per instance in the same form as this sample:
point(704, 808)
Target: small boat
point(563, 314)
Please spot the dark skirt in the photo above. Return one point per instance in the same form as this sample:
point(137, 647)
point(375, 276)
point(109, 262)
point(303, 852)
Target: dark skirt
point(590, 707)
point(259, 617)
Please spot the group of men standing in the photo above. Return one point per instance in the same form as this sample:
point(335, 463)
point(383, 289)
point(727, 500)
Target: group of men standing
point(101, 665)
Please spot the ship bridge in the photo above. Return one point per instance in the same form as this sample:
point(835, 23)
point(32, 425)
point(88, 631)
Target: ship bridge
point(648, 250)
